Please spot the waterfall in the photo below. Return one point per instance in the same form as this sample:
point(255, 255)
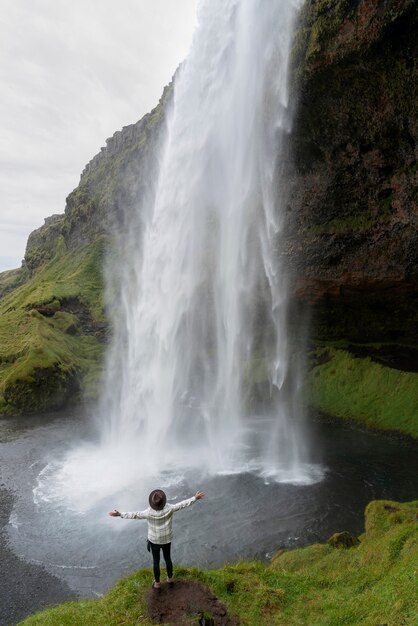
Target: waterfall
point(203, 302)
point(202, 375)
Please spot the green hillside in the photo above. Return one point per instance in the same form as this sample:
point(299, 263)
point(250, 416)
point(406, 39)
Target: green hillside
point(53, 331)
point(53, 328)
point(361, 389)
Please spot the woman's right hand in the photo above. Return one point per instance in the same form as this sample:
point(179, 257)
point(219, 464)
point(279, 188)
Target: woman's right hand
point(114, 513)
point(199, 495)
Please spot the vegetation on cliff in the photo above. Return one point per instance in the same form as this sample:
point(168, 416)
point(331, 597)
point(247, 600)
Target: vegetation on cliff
point(372, 582)
point(351, 239)
point(359, 388)
point(52, 331)
point(53, 326)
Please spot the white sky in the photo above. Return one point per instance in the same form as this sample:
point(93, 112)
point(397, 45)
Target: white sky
point(72, 72)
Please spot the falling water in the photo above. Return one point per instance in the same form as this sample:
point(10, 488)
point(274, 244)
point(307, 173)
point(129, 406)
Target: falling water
point(204, 296)
point(201, 373)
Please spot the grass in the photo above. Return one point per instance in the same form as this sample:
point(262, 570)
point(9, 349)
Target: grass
point(125, 604)
point(45, 357)
point(374, 583)
point(365, 391)
point(10, 279)
point(369, 584)
point(46, 354)
point(356, 223)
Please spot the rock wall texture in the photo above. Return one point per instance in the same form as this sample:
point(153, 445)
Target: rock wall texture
point(352, 239)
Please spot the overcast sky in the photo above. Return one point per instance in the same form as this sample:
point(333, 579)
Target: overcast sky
point(72, 72)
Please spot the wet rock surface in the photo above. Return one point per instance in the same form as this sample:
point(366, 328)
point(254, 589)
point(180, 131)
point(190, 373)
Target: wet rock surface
point(352, 236)
point(343, 540)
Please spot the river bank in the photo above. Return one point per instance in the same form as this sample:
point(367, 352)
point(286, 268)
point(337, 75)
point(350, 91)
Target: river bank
point(26, 587)
point(371, 582)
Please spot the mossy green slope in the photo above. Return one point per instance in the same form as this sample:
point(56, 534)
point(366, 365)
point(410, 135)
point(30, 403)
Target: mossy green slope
point(52, 322)
point(51, 331)
point(373, 583)
point(365, 391)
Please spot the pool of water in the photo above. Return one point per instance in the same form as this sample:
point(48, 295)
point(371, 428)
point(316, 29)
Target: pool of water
point(243, 515)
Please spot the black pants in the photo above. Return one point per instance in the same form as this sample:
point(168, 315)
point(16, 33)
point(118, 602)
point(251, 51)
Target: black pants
point(155, 549)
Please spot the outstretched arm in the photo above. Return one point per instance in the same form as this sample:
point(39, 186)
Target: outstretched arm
point(133, 515)
point(184, 503)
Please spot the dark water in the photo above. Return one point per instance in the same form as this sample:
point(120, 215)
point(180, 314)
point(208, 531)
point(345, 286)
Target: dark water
point(241, 517)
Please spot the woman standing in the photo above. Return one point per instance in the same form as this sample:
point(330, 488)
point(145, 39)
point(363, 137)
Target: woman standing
point(159, 516)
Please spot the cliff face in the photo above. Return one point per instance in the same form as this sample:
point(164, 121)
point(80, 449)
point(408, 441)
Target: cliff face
point(351, 238)
point(115, 179)
point(353, 242)
point(110, 186)
point(53, 326)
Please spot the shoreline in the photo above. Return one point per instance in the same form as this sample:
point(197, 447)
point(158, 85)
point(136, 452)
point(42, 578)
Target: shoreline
point(403, 439)
point(26, 587)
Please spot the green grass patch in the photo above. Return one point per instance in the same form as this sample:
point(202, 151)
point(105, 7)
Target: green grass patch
point(46, 355)
point(70, 273)
point(355, 223)
point(359, 389)
point(373, 583)
point(125, 604)
point(10, 279)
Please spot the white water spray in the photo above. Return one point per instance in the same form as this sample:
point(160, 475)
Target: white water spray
point(201, 338)
point(204, 298)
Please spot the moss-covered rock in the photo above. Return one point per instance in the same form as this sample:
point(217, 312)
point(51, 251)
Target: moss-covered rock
point(384, 515)
point(331, 30)
point(351, 239)
point(53, 331)
point(53, 326)
point(45, 388)
point(42, 242)
point(343, 540)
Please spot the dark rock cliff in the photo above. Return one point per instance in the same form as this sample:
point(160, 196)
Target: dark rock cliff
point(353, 236)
